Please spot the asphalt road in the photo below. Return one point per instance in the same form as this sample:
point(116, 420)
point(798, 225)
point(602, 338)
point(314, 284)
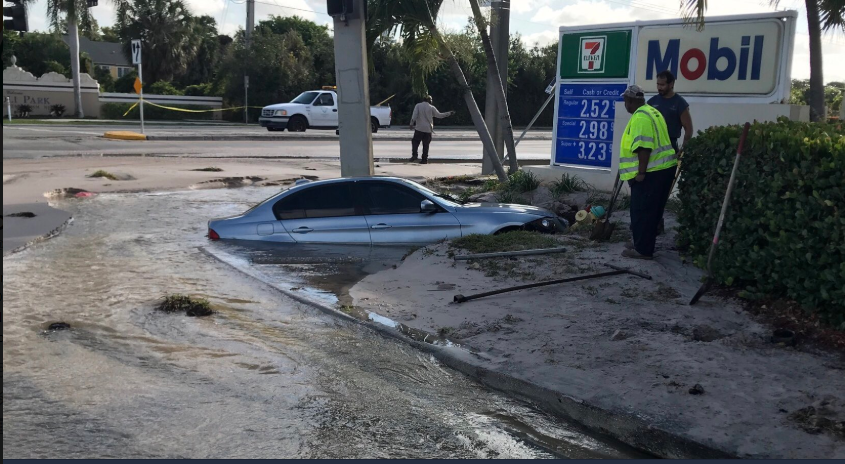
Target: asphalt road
point(36, 141)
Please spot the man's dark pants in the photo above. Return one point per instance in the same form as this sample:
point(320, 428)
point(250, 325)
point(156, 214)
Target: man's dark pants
point(648, 200)
point(425, 138)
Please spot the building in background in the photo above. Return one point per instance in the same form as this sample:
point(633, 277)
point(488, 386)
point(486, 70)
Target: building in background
point(106, 55)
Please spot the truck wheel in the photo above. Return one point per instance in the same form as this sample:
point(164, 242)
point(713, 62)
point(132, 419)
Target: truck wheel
point(297, 124)
point(374, 125)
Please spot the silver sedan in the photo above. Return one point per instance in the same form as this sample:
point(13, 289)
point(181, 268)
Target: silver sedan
point(374, 210)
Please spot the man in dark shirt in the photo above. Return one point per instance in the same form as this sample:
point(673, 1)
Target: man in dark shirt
point(673, 107)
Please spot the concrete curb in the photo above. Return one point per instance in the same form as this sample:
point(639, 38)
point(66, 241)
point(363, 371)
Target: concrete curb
point(625, 426)
point(306, 138)
point(43, 238)
point(124, 135)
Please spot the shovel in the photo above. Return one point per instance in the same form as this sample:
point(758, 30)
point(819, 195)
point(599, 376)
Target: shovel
point(709, 279)
point(604, 229)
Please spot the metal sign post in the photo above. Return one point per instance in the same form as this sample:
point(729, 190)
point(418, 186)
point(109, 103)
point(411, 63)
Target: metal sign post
point(136, 59)
point(246, 99)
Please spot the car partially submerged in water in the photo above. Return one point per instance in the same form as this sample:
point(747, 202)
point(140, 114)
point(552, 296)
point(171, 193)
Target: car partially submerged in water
point(375, 210)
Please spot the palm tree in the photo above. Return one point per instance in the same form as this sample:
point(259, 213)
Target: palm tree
point(498, 87)
point(414, 21)
point(165, 28)
point(822, 16)
point(76, 13)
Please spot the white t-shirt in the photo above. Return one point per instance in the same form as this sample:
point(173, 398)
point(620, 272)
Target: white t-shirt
point(423, 117)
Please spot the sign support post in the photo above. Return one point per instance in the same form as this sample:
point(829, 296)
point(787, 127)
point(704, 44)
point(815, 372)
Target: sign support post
point(139, 83)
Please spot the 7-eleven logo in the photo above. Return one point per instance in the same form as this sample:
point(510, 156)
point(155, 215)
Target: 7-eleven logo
point(592, 54)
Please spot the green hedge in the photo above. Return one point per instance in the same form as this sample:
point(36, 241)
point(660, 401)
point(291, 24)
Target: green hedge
point(784, 233)
point(153, 113)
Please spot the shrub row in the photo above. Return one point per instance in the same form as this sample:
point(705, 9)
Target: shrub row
point(784, 233)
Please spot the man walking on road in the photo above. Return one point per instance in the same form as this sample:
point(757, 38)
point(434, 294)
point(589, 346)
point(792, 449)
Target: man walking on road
point(422, 123)
point(648, 162)
point(673, 107)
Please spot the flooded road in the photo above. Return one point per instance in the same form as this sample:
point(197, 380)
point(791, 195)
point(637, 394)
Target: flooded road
point(265, 377)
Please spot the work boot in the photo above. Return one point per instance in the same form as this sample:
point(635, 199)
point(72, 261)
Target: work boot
point(414, 158)
point(424, 161)
point(634, 254)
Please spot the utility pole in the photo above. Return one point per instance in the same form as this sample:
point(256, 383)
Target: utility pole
point(250, 28)
point(500, 40)
point(353, 87)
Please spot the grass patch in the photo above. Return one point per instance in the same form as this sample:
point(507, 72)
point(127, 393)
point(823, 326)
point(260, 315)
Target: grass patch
point(103, 174)
point(491, 185)
point(194, 307)
point(509, 241)
point(509, 196)
point(209, 169)
point(522, 181)
point(568, 184)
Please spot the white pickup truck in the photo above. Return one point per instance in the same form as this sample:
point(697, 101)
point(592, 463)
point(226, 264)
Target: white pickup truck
point(315, 109)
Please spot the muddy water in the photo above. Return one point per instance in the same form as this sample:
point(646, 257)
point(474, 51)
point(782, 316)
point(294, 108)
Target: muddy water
point(263, 377)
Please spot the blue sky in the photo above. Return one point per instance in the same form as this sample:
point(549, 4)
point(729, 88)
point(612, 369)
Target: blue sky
point(537, 20)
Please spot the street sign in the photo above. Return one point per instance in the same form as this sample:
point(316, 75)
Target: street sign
point(136, 51)
point(137, 86)
point(584, 135)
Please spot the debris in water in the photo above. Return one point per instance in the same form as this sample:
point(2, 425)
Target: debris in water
point(193, 307)
point(25, 214)
point(69, 192)
point(58, 326)
point(697, 389)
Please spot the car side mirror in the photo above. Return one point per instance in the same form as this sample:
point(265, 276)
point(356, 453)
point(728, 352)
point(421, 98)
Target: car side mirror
point(427, 206)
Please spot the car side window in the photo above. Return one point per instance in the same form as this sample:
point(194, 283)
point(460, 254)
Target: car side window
point(389, 198)
point(289, 207)
point(325, 100)
point(334, 200)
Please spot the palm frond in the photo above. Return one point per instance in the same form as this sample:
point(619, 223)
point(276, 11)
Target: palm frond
point(693, 12)
point(832, 15)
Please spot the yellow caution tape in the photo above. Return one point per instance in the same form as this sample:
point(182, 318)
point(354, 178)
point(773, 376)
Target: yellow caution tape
point(185, 110)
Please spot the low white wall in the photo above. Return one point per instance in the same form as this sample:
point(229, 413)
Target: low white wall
point(704, 115)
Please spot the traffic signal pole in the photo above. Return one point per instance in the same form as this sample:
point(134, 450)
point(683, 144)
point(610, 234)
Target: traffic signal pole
point(353, 88)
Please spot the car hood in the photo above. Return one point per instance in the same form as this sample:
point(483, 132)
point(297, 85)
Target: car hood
point(284, 106)
point(501, 208)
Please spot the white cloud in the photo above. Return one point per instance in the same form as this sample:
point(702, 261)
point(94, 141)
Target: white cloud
point(206, 7)
point(522, 6)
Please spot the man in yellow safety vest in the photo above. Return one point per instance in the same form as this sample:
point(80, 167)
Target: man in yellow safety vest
point(648, 162)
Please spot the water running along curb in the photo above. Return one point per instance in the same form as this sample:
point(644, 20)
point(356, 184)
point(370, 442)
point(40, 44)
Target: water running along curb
point(42, 238)
point(626, 427)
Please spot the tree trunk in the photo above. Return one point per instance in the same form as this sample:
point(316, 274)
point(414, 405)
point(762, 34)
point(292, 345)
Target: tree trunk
point(474, 111)
point(499, 88)
point(817, 107)
point(73, 35)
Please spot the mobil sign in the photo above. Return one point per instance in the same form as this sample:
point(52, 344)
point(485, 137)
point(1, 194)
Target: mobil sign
point(730, 58)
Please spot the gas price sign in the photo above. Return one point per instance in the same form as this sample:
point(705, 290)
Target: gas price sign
point(585, 124)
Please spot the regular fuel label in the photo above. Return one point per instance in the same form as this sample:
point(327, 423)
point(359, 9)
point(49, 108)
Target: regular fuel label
point(585, 124)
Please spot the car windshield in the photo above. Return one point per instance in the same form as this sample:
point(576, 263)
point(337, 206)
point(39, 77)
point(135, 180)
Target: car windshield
point(444, 197)
point(305, 98)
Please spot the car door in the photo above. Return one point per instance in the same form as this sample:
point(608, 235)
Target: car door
point(324, 111)
point(323, 214)
point(393, 214)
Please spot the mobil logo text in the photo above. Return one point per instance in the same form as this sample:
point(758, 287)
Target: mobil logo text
point(739, 57)
point(722, 61)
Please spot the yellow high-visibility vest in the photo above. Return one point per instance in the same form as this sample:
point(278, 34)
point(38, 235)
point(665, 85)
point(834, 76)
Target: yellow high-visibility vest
point(646, 129)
